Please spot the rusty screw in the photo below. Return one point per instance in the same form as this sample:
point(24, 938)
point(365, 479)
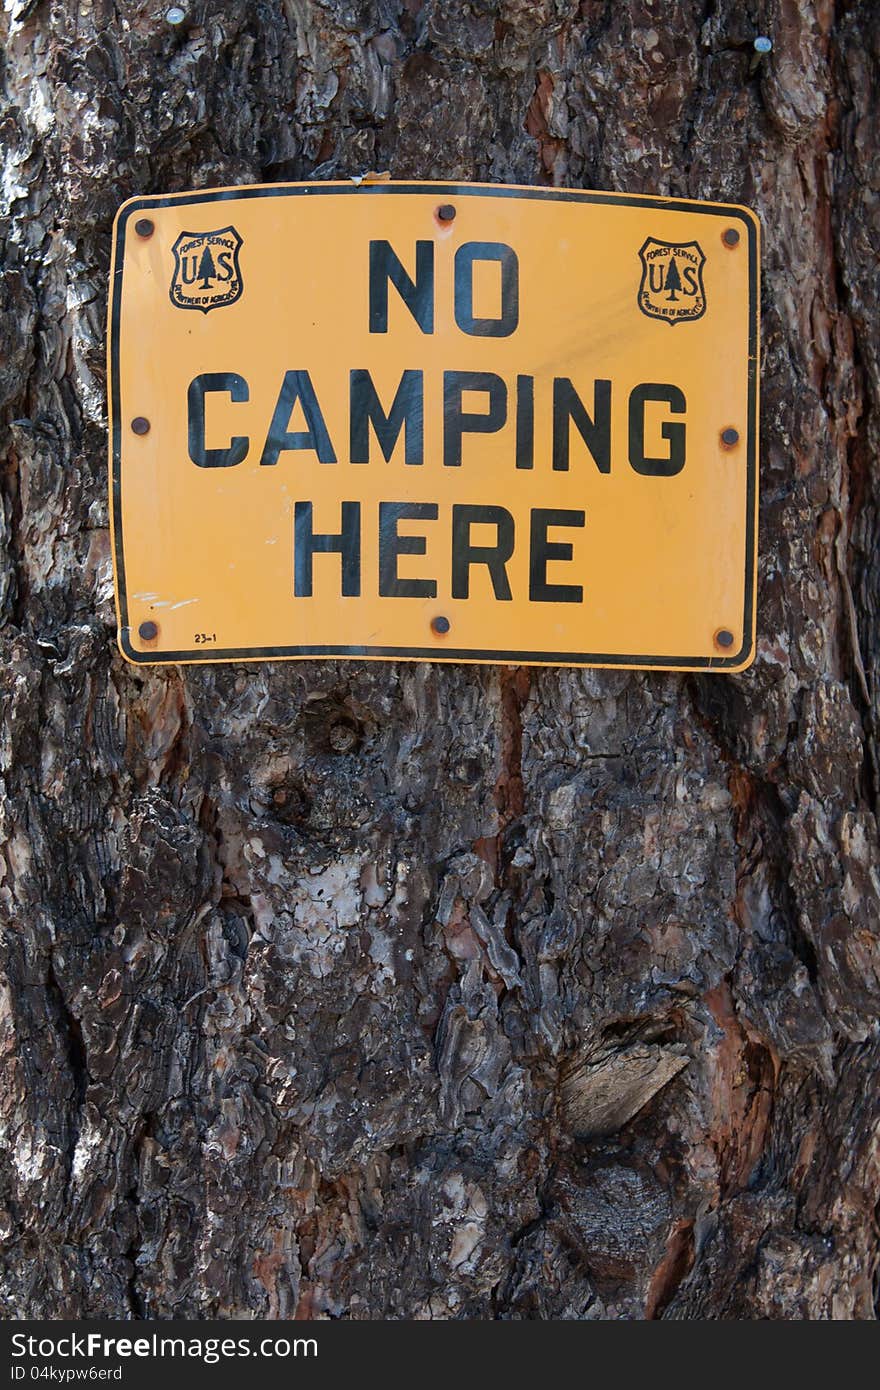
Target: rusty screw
point(140, 425)
point(148, 632)
point(723, 638)
point(440, 625)
point(446, 212)
point(729, 437)
point(730, 236)
point(144, 227)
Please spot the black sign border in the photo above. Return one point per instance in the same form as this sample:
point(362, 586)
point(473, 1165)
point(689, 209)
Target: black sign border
point(447, 190)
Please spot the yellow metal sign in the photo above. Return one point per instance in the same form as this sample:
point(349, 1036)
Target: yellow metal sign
point(463, 422)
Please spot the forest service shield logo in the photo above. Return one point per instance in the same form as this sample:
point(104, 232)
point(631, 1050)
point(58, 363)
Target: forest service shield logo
point(207, 274)
point(672, 281)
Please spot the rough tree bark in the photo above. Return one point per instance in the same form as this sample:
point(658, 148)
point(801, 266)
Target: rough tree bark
point(339, 990)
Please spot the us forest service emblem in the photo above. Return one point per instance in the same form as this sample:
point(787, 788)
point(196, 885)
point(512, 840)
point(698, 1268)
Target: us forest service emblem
point(672, 281)
point(207, 274)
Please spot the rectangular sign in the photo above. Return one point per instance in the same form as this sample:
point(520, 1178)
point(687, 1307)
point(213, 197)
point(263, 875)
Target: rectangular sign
point(453, 421)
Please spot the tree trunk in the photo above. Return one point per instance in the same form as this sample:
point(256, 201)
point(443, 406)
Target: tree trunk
point(388, 990)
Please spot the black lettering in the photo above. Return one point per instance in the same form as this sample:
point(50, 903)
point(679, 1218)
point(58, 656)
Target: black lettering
point(542, 550)
point(407, 410)
point(494, 557)
point(674, 433)
point(307, 544)
point(418, 296)
point(457, 423)
point(595, 432)
point(525, 422)
point(234, 386)
point(224, 260)
point(690, 276)
point(297, 386)
point(391, 545)
point(465, 257)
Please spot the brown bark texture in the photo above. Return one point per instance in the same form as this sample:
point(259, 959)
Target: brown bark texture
point(403, 990)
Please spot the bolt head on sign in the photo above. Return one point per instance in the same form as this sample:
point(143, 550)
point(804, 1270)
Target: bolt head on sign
point(363, 414)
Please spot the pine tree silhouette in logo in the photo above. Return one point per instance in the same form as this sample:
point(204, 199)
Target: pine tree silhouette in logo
point(207, 274)
point(673, 280)
point(208, 270)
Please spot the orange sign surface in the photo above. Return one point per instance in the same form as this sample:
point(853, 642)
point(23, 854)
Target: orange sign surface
point(453, 421)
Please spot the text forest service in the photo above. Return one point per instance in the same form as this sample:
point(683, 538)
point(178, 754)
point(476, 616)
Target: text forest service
point(463, 422)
